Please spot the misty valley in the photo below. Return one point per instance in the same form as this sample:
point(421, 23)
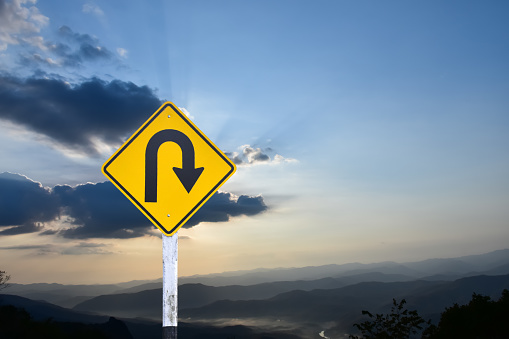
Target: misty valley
point(308, 302)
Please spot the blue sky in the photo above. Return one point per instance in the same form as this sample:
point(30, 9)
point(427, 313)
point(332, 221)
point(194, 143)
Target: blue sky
point(385, 123)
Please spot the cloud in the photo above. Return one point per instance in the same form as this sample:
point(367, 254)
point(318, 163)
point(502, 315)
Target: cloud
point(250, 156)
point(85, 248)
point(122, 52)
point(70, 49)
point(79, 48)
point(254, 155)
point(281, 159)
point(224, 205)
point(38, 250)
point(20, 23)
point(24, 202)
point(76, 116)
point(64, 249)
point(48, 232)
point(90, 8)
point(24, 247)
point(97, 210)
point(22, 229)
point(186, 112)
point(100, 211)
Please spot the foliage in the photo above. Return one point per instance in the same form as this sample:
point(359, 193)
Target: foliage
point(481, 318)
point(399, 324)
point(17, 323)
point(3, 280)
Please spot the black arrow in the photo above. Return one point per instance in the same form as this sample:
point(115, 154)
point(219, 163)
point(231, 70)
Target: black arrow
point(188, 174)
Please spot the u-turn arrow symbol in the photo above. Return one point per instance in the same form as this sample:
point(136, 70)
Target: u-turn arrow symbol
point(188, 174)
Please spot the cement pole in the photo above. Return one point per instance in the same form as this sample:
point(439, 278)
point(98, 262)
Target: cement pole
point(170, 286)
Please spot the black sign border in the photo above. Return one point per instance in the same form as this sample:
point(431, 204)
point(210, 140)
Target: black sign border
point(138, 204)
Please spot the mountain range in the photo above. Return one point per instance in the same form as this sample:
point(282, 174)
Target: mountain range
point(496, 262)
point(299, 301)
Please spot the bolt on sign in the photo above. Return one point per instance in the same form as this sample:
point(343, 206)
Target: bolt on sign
point(168, 168)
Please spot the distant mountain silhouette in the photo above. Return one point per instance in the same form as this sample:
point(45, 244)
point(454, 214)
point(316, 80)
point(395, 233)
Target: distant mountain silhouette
point(315, 296)
point(146, 303)
point(70, 322)
point(434, 299)
point(18, 323)
point(41, 310)
point(134, 283)
point(450, 267)
point(316, 305)
point(67, 290)
point(493, 263)
point(70, 295)
point(58, 294)
point(344, 305)
point(139, 288)
point(319, 306)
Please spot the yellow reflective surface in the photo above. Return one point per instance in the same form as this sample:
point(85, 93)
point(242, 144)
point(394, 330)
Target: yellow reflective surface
point(174, 205)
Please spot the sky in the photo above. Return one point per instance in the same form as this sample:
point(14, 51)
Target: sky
point(362, 131)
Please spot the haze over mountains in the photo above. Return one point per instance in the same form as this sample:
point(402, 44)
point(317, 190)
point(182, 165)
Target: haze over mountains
point(299, 301)
point(450, 268)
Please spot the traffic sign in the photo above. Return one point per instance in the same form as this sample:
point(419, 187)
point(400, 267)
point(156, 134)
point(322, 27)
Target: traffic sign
point(168, 168)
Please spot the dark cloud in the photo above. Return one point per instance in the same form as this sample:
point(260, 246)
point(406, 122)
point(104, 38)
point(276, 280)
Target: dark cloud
point(23, 202)
point(223, 205)
point(74, 115)
point(22, 229)
point(97, 210)
point(235, 157)
point(67, 33)
point(100, 211)
point(71, 50)
point(78, 48)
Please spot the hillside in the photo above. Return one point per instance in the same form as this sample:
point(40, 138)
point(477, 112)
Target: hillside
point(316, 307)
point(142, 303)
point(49, 321)
point(496, 262)
point(41, 311)
point(344, 305)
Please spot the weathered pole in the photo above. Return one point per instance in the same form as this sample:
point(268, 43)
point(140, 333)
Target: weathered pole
point(170, 286)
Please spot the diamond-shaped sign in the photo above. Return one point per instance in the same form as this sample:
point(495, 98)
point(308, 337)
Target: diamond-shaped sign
point(168, 168)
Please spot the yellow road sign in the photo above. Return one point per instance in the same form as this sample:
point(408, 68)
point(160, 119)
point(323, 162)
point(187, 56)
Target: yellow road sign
point(168, 168)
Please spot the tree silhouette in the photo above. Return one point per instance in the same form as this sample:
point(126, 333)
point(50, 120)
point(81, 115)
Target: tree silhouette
point(3, 280)
point(481, 318)
point(399, 324)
